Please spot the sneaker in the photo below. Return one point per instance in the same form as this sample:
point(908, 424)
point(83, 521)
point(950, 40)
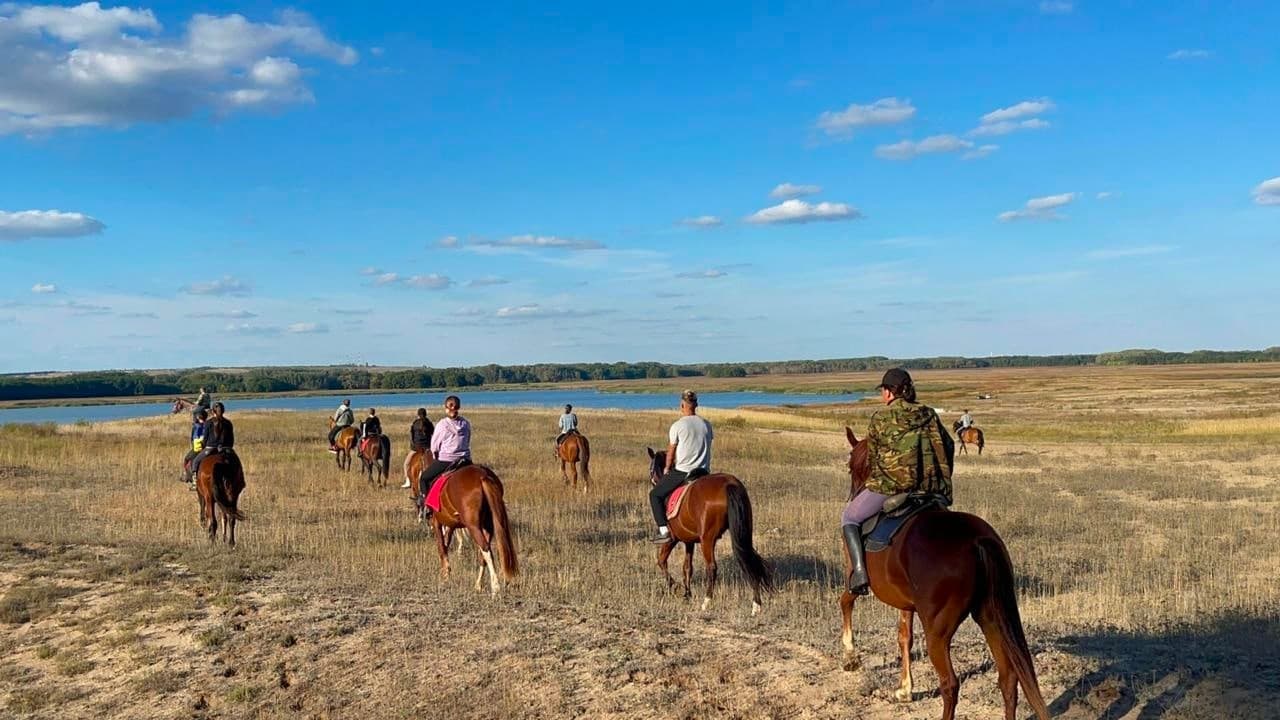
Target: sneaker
point(333, 450)
point(662, 538)
point(191, 486)
point(406, 485)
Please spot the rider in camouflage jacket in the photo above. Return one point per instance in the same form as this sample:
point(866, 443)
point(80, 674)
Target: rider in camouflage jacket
point(909, 450)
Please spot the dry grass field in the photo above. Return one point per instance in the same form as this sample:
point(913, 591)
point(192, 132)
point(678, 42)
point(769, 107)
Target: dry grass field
point(1141, 507)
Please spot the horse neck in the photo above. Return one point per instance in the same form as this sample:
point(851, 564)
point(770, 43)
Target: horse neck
point(859, 471)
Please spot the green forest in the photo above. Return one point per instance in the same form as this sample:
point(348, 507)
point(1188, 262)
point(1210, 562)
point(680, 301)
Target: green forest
point(119, 383)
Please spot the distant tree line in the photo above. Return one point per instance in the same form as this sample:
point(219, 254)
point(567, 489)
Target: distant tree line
point(113, 383)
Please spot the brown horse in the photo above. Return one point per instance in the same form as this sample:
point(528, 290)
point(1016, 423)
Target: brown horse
point(414, 463)
point(346, 441)
point(219, 482)
point(970, 435)
point(572, 449)
point(472, 499)
point(180, 404)
point(375, 457)
point(946, 566)
point(714, 504)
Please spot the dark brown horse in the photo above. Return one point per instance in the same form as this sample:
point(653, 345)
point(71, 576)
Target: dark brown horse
point(346, 441)
point(219, 482)
point(946, 566)
point(573, 449)
point(714, 504)
point(375, 457)
point(970, 435)
point(472, 499)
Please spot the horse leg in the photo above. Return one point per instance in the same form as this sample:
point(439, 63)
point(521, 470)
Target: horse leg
point(438, 531)
point(939, 629)
point(905, 636)
point(847, 600)
point(481, 539)
point(573, 473)
point(664, 552)
point(213, 522)
point(688, 568)
point(709, 557)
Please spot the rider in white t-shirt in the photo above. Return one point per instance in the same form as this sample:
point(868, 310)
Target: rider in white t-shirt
point(689, 450)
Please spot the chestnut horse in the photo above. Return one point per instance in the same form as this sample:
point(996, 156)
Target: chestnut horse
point(219, 482)
point(970, 434)
point(714, 504)
point(414, 463)
point(346, 441)
point(946, 565)
point(575, 448)
point(472, 499)
point(375, 457)
point(180, 404)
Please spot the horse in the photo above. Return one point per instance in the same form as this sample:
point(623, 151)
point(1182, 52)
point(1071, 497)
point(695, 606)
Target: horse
point(945, 565)
point(414, 463)
point(375, 457)
point(472, 498)
point(970, 434)
point(180, 404)
point(219, 482)
point(346, 441)
point(572, 449)
point(714, 504)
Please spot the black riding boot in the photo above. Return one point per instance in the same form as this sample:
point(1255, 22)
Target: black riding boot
point(858, 582)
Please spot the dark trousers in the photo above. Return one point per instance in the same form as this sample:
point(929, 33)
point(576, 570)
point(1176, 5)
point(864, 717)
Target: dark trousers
point(333, 433)
point(199, 458)
point(429, 475)
point(658, 495)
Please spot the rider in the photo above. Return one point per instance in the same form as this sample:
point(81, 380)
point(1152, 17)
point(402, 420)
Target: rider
point(197, 442)
point(908, 451)
point(203, 401)
point(219, 435)
point(342, 418)
point(966, 420)
point(370, 426)
point(450, 444)
point(419, 439)
point(568, 424)
point(690, 450)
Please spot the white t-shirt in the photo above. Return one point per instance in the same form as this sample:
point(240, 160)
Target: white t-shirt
point(692, 436)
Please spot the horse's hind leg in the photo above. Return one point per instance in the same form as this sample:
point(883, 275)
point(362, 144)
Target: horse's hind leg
point(905, 636)
point(709, 557)
point(688, 569)
point(847, 600)
point(481, 539)
point(939, 629)
point(442, 546)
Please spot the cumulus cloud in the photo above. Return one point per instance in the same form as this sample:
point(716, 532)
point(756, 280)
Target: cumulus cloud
point(1267, 192)
point(885, 111)
point(1022, 116)
point(29, 224)
point(538, 242)
point(370, 271)
point(786, 191)
point(92, 66)
point(1125, 252)
point(226, 285)
point(428, 282)
point(1056, 7)
point(1189, 54)
point(979, 152)
point(908, 149)
point(389, 278)
point(799, 211)
point(44, 288)
point(307, 328)
point(702, 221)
point(224, 315)
point(1041, 208)
point(703, 274)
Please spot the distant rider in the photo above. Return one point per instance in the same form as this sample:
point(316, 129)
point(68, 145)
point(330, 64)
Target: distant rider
point(689, 450)
point(966, 420)
point(450, 444)
point(419, 439)
point(203, 401)
point(219, 435)
point(197, 442)
point(908, 450)
point(568, 424)
point(342, 418)
point(370, 427)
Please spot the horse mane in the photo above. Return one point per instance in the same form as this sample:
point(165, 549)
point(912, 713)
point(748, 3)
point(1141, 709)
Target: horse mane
point(859, 468)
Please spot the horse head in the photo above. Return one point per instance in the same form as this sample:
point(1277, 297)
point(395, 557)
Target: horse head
point(859, 468)
point(657, 463)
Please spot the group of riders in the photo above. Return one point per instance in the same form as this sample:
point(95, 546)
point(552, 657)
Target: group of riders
point(909, 451)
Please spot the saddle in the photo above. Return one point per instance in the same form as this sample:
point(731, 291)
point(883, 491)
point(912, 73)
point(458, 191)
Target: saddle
point(878, 532)
point(371, 440)
point(676, 499)
point(432, 500)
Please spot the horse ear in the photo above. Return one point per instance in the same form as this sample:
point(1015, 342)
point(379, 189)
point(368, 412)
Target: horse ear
point(650, 450)
point(848, 433)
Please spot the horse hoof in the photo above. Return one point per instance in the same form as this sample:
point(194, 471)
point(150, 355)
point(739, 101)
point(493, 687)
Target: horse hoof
point(902, 695)
point(851, 663)
point(706, 603)
point(755, 609)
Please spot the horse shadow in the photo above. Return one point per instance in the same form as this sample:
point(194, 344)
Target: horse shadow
point(805, 568)
point(1187, 670)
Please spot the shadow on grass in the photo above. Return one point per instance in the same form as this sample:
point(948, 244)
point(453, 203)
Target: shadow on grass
point(1224, 667)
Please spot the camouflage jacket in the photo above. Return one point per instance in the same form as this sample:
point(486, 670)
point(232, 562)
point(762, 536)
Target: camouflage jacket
point(909, 450)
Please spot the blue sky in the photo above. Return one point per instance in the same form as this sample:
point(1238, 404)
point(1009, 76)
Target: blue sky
point(247, 183)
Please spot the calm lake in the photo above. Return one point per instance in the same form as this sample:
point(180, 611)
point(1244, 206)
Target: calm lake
point(432, 401)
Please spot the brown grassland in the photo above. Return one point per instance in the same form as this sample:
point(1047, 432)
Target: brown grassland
point(1140, 505)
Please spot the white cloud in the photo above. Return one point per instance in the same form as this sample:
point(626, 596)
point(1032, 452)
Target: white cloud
point(370, 271)
point(307, 328)
point(538, 242)
point(702, 221)
point(88, 66)
point(247, 329)
point(1042, 278)
point(428, 282)
point(1056, 7)
point(226, 285)
point(787, 190)
point(28, 224)
point(386, 279)
point(449, 241)
point(487, 281)
point(703, 274)
point(224, 314)
point(1005, 127)
point(44, 288)
point(908, 149)
point(1189, 54)
point(979, 152)
point(885, 111)
point(1022, 116)
point(1041, 208)
point(534, 311)
point(1267, 192)
point(1105, 195)
point(799, 211)
point(1124, 252)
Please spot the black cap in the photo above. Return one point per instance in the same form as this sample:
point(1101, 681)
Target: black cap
point(894, 378)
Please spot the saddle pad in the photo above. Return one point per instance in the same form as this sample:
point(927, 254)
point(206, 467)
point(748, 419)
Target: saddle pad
point(437, 488)
point(676, 499)
point(880, 534)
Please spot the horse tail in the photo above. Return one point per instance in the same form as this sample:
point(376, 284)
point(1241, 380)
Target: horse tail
point(586, 458)
point(223, 472)
point(981, 441)
point(492, 489)
point(998, 613)
point(384, 454)
point(740, 530)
